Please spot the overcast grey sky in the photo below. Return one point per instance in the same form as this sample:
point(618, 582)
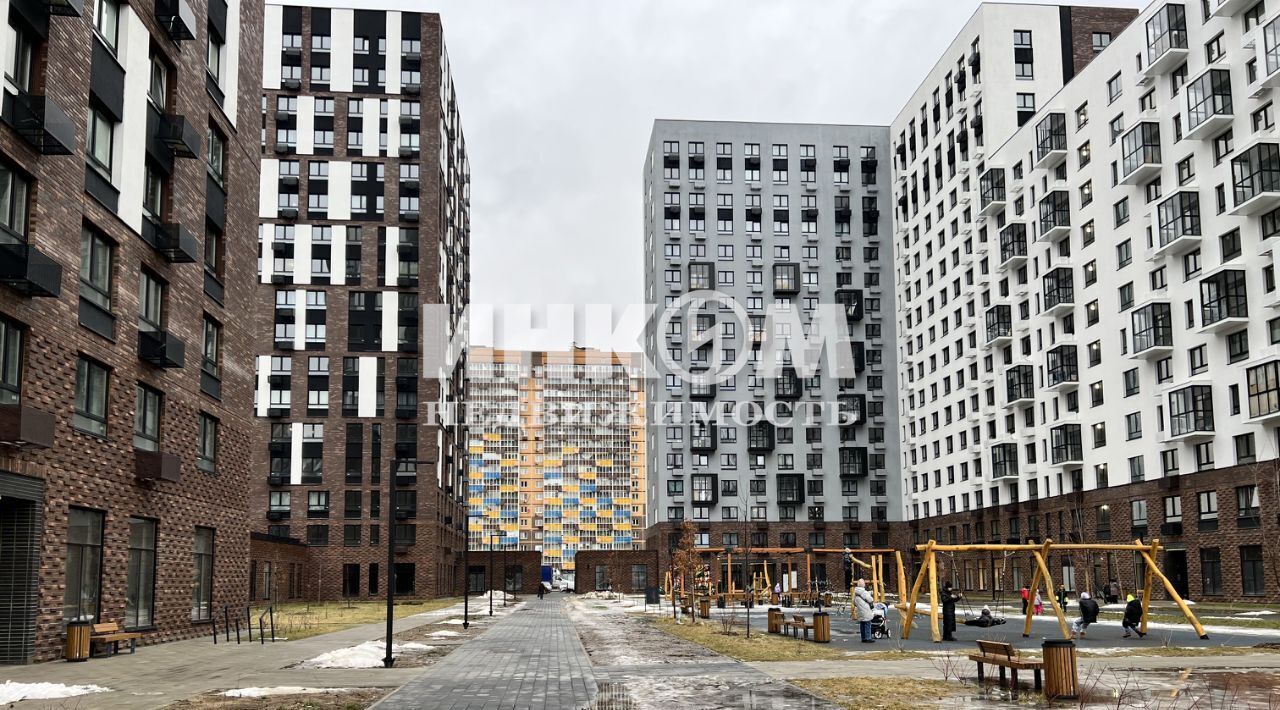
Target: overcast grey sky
point(558, 98)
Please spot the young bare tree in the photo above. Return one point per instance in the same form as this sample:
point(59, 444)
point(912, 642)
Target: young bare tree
point(685, 560)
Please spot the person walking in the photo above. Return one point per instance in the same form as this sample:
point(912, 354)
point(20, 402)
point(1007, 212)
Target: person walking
point(1113, 591)
point(1026, 599)
point(1037, 604)
point(542, 588)
point(1088, 615)
point(1132, 617)
point(862, 604)
point(949, 598)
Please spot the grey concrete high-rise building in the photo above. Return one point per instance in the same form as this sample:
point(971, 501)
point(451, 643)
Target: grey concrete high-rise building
point(777, 219)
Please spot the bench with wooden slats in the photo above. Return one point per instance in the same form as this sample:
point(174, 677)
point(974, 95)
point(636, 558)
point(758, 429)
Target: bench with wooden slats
point(798, 625)
point(1004, 655)
point(110, 633)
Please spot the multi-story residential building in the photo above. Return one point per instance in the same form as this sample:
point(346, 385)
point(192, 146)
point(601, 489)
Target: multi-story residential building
point(363, 223)
point(126, 304)
point(782, 242)
point(1121, 372)
point(1006, 59)
point(557, 452)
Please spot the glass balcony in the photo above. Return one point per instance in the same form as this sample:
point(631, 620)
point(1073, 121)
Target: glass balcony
point(702, 437)
point(1224, 301)
point(853, 462)
point(1255, 178)
point(1166, 38)
point(1209, 107)
point(999, 325)
point(1051, 141)
point(1191, 413)
point(1055, 215)
point(1178, 218)
point(991, 192)
point(1013, 245)
point(1062, 369)
point(1059, 292)
point(1152, 331)
point(1065, 448)
point(1230, 8)
point(1004, 461)
point(1270, 56)
point(760, 437)
point(1262, 383)
point(1140, 153)
point(1020, 386)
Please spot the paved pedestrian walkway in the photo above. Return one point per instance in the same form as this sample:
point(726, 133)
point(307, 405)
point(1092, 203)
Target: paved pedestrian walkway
point(531, 660)
point(158, 675)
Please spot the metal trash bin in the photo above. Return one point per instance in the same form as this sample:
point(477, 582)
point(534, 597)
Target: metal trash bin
point(1061, 674)
point(78, 640)
point(821, 627)
point(704, 608)
point(775, 620)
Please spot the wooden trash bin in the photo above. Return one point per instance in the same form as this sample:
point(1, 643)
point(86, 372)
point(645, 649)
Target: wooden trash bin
point(821, 627)
point(1061, 675)
point(704, 608)
point(773, 598)
point(78, 640)
point(775, 620)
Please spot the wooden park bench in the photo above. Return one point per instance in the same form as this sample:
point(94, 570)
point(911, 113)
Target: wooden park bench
point(1005, 656)
point(110, 632)
point(798, 625)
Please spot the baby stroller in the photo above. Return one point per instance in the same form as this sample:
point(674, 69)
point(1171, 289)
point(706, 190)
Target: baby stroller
point(879, 623)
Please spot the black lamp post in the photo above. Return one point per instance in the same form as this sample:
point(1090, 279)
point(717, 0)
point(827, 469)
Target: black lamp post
point(490, 536)
point(389, 660)
point(466, 569)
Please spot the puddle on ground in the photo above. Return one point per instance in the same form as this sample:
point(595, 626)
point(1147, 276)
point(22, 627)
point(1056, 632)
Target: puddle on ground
point(1118, 688)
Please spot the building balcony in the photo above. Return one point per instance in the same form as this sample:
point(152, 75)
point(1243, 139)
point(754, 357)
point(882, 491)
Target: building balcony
point(1209, 105)
point(177, 133)
point(1262, 387)
point(40, 122)
point(1230, 8)
point(1055, 216)
point(157, 466)
point(161, 348)
point(1190, 412)
point(1051, 141)
point(1178, 221)
point(25, 427)
point(1224, 301)
point(172, 241)
point(1152, 330)
point(1166, 33)
point(1065, 448)
point(1255, 175)
point(26, 270)
point(1140, 153)
point(1013, 246)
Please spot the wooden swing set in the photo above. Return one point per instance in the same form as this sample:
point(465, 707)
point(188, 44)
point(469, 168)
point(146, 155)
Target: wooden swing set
point(1040, 554)
point(762, 584)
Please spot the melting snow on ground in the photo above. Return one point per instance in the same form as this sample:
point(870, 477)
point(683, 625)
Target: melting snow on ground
point(12, 692)
point(1262, 612)
point(445, 633)
point(281, 690)
point(367, 655)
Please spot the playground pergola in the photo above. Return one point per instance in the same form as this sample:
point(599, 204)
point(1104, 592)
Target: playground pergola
point(1039, 554)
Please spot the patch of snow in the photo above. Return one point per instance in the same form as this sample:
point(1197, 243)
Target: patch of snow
point(1261, 612)
point(12, 692)
point(366, 655)
point(282, 690)
point(452, 621)
point(444, 633)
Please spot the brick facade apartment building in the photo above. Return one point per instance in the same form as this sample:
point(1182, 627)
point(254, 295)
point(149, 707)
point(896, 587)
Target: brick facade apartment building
point(126, 315)
point(363, 222)
point(557, 461)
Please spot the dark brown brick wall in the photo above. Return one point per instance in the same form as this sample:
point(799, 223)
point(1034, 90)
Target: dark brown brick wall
point(1087, 20)
point(98, 472)
point(618, 564)
point(281, 569)
point(436, 554)
point(496, 562)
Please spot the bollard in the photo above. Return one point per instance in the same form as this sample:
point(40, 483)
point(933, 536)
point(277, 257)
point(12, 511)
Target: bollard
point(1061, 677)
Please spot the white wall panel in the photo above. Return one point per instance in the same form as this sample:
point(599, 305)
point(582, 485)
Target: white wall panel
point(390, 319)
point(393, 53)
point(269, 188)
point(295, 453)
point(306, 125)
point(231, 72)
point(129, 171)
point(392, 257)
point(339, 192)
point(371, 116)
point(272, 45)
point(302, 255)
point(262, 400)
point(367, 401)
point(268, 233)
point(393, 130)
point(341, 68)
point(299, 319)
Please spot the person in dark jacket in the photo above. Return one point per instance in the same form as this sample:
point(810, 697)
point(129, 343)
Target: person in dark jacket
point(949, 598)
point(542, 588)
point(1132, 617)
point(1088, 615)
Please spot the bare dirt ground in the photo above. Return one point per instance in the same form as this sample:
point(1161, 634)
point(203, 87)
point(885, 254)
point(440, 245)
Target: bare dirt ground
point(657, 671)
point(443, 637)
point(351, 699)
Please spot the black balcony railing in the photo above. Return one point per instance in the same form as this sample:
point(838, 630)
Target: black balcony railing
point(1059, 287)
point(1152, 327)
point(1166, 30)
point(1020, 383)
point(1055, 211)
point(1064, 444)
point(999, 322)
point(1013, 241)
point(1062, 366)
point(1191, 410)
point(1223, 295)
point(1051, 135)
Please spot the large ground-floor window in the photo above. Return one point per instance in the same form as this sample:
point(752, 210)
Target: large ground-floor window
point(141, 593)
point(84, 565)
point(202, 570)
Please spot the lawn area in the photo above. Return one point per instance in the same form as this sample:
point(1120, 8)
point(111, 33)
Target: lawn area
point(876, 693)
point(299, 620)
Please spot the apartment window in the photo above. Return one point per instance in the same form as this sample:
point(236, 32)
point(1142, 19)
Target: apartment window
point(1210, 571)
point(1247, 511)
point(215, 154)
point(141, 578)
point(10, 361)
point(1114, 88)
point(207, 443)
point(1213, 50)
point(1101, 40)
point(153, 193)
point(14, 190)
point(91, 397)
point(202, 575)
point(1252, 575)
point(213, 56)
point(106, 22)
point(1245, 448)
point(1198, 359)
point(81, 598)
point(146, 419)
point(99, 139)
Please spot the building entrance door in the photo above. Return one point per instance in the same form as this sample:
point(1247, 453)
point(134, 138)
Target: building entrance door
point(20, 560)
point(1175, 568)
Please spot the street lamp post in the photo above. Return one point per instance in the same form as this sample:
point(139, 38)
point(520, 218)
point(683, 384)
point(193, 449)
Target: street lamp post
point(389, 660)
point(490, 574)
point(504, 571)
point(466, 570)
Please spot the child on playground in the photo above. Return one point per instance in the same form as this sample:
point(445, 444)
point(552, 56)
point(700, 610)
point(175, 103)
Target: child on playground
point(1038, 604)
